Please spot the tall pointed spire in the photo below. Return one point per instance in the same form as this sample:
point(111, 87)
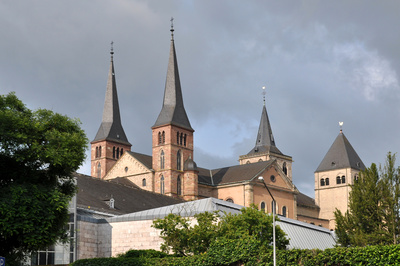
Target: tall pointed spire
point(265, 140)
point(111, 127)
point(173, 111)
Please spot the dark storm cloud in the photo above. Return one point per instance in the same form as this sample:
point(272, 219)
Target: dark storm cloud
point(322, 62)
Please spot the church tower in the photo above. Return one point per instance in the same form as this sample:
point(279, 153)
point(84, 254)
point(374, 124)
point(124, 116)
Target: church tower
point(265, 148)
point(333, 177)
point(173, 139)
point(110, 141)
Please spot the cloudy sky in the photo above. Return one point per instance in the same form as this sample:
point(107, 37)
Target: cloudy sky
point(321, 61)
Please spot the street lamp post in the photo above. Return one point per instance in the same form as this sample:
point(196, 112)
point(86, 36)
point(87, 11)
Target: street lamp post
point(273, 218)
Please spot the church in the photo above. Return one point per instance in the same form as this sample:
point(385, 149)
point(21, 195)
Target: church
point(171, 170)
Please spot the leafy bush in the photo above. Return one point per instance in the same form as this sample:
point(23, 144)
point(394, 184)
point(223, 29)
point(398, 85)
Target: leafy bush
point(143, 253)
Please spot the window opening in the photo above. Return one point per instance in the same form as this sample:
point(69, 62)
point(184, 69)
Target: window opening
point(179, 185)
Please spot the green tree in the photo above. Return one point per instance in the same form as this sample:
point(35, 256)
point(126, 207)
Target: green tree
point(373, 211)
point(251, 228)
point(39, 152)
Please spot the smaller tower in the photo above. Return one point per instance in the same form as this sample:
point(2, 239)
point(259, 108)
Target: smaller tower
point(110, 141)
point(333, 177)
point(265, 148)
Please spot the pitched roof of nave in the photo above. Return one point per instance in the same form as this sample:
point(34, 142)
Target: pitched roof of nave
point(111, 126)
point(237, 173)
point(93, 194)
point(306, 201)
point(173, 111)
point(341, 155)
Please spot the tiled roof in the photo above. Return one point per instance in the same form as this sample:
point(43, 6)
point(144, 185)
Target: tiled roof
point(146, 160)
point(93, 194)
point(306, 201)
point(232, 174)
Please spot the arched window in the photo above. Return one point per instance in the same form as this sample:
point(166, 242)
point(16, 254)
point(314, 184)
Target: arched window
point(322, 182)
point(162, 160)
point(262, 206)
point(284, 168)
point(184, 140)
point(97, 152)
point(338, 180)
point(117, 153)
point(229, 200)
point(179, 185)
point(100, 151)
point(162, 185)
point(327, 181)
point(343, 179)
point(284, 211)
point(99, 171)
point(247, 162)
point(114, 152)
point(163, 137)
point(159, 138)
point(177, 137)
point(179, 160)
point(181, 139)
point(355, 178)
point(144, 182)
point(260, 160)
point(122, 151)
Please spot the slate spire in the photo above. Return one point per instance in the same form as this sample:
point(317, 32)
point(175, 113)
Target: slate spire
point(111, 127)
point(341, 155)
point(265, 139)
point(173, 111)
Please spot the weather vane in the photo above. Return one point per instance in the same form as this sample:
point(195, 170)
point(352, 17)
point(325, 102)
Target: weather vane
point(112, 48)
point(341, 125)
point(263, 93)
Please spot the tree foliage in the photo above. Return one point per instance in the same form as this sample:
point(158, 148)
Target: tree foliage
point(215, 233)
point(39, 152)
point(373, 211)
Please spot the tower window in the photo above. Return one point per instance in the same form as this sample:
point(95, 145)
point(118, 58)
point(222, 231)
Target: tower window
point(162, 185)
point(163, 137)
point(229, 200)
point(143, 182)
point(117, 153)
point(99, 171)
point(162, 160)
point(114, 152)
point(159, 138)
point(322, 182)
point(178, 160)
point(179, 185)
point(122, 151)
point(184, 140)
point(177, 137)
point(99, 151)
point(327, 181)
point(355, 178)
point(343, 179)
point(181, 139)
point(338, 180)
point(284, 168)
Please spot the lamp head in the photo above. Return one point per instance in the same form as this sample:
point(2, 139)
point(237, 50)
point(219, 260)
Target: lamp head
point(261, 178)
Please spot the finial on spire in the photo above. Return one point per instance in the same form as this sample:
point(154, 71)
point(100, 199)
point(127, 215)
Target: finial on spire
point(172, 28)
point(263, 93)
point(341, 125)
point(112, 49)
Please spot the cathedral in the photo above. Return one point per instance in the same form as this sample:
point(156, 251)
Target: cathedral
point(170, 169)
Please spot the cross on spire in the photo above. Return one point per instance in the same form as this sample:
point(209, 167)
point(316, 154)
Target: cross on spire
point(172, 28)
point(263, 93)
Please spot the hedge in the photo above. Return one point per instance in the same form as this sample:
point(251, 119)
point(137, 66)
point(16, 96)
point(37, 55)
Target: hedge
point(371, 255)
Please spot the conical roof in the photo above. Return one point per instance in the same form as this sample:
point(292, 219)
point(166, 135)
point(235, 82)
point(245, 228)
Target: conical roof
point(111, 127)
point(173, 111)
point(265, 140)
point(341, 155)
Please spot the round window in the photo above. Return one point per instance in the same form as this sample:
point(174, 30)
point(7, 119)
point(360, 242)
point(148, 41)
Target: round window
point(273, 179)
point(126, 169)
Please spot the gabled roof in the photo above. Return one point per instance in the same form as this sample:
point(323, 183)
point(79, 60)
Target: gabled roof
point(341, 155)
point(146, 160)
point(93, 194)
point(306, 201)
point(173, 112)
point(111, 127)
point(265, 141)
